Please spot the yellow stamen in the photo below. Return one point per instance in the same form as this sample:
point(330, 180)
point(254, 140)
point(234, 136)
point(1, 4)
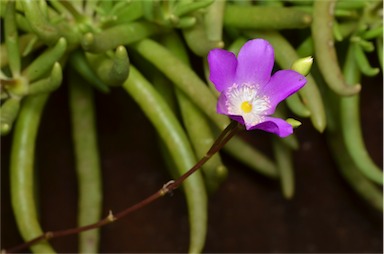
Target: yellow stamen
point(246, 107)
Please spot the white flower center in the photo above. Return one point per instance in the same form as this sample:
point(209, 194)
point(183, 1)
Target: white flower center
point(243, 100)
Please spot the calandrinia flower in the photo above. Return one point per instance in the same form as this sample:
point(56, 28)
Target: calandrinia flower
point(249, 94)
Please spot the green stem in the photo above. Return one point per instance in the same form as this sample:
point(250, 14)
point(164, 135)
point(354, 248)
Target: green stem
point(22, 171)
point(84, 136)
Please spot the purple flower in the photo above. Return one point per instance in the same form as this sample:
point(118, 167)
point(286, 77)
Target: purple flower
point(249, 94)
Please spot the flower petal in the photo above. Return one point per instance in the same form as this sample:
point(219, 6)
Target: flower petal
point(237, 119)
point(222, 67)
point(275, 125)
point(255, 62)
point(282, 84)
point(221, 107)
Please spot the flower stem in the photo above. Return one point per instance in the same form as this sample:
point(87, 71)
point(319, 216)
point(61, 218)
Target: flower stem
point(224, 137)
point(196, 125)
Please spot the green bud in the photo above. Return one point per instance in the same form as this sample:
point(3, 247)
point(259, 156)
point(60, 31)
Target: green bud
point(8, 113)
point(295, 123)
point(114, 70)
point(303, 65)
point(48, 84)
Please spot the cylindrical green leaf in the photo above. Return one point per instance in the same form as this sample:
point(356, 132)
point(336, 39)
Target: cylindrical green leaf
point(351, 125)
point(284, 160)
point(196, 37)
point(172, 134)
point(79, 62)
point(84, 135)
point(118, 35)
point(12, 39)
point(49, 84)
point(196, 123)
point(44, 62)
point(265, 17)
point(183, 77)
point(249, 156)
point(22, 171)
point(325, 52)
point(39, 23)
point(114, 70)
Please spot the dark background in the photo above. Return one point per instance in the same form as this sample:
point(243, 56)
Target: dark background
point(247, 213)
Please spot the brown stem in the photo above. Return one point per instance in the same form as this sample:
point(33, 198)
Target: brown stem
point(224, 137)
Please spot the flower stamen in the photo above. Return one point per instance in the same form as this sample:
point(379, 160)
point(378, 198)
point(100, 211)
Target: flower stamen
point(243, 100)
point(246, 107)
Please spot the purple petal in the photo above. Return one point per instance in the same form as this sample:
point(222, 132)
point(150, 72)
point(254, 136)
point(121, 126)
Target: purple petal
point(222, 66)
point(221, 107)
point(282, 84)
point(275, 125)
point(255, 62)
point(237, 118)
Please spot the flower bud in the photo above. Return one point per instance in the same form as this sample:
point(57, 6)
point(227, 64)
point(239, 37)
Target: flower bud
point(295, 123)
point(303, 65)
